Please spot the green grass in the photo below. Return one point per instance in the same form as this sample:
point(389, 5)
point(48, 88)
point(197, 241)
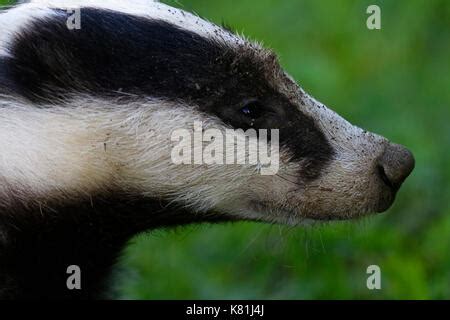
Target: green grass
point(395, 82)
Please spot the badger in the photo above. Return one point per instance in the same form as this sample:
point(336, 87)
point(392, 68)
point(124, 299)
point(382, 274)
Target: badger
point(85, 134)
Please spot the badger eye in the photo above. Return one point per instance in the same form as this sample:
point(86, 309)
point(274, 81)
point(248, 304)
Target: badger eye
point(253, 110)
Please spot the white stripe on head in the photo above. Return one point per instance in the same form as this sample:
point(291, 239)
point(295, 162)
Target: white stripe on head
point(92, 146)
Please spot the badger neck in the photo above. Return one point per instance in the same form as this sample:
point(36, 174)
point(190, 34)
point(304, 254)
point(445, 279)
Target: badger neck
point(37, 245)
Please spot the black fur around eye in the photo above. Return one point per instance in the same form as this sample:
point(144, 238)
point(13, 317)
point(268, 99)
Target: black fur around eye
point(253, 110)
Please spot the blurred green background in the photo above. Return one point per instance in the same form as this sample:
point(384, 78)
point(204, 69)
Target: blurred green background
point(395, 82)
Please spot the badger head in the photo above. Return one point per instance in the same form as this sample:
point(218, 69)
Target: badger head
point(107, 97)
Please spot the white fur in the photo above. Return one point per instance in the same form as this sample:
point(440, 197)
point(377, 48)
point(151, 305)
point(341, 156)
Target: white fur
point(92, 146)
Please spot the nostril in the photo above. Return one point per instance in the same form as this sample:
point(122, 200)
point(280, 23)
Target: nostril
point(395, 165)
point(384, 177)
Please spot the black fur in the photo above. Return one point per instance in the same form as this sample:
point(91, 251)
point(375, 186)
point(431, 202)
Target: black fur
point(7, 84)
point(38, 242)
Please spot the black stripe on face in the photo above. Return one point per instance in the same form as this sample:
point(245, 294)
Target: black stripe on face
point(115, 54)
point(7, 85)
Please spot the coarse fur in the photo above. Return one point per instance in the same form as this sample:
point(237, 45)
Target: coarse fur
point(85, 134)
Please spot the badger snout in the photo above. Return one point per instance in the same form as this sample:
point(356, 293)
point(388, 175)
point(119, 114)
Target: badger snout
point(362, 176)
point(394, 165)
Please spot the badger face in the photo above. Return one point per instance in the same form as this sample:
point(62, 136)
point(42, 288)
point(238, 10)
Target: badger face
point(99, 105)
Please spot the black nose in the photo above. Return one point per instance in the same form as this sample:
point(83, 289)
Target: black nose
point(395, 165)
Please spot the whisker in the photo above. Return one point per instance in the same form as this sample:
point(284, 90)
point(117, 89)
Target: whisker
point(286, 179)
point(291, 175)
